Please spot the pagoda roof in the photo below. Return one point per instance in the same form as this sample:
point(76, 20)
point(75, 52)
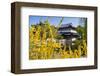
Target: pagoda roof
point(67, 26)
point(70, 34)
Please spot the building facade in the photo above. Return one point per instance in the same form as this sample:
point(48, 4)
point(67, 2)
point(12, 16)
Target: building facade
point(69, 33)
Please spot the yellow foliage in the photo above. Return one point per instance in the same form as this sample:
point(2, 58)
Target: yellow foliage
point(41, 47)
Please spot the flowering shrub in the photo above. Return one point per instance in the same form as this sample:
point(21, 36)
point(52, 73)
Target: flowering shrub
point(43, 44)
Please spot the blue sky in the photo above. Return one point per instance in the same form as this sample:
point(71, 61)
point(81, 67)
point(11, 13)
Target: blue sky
point(54, 20)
